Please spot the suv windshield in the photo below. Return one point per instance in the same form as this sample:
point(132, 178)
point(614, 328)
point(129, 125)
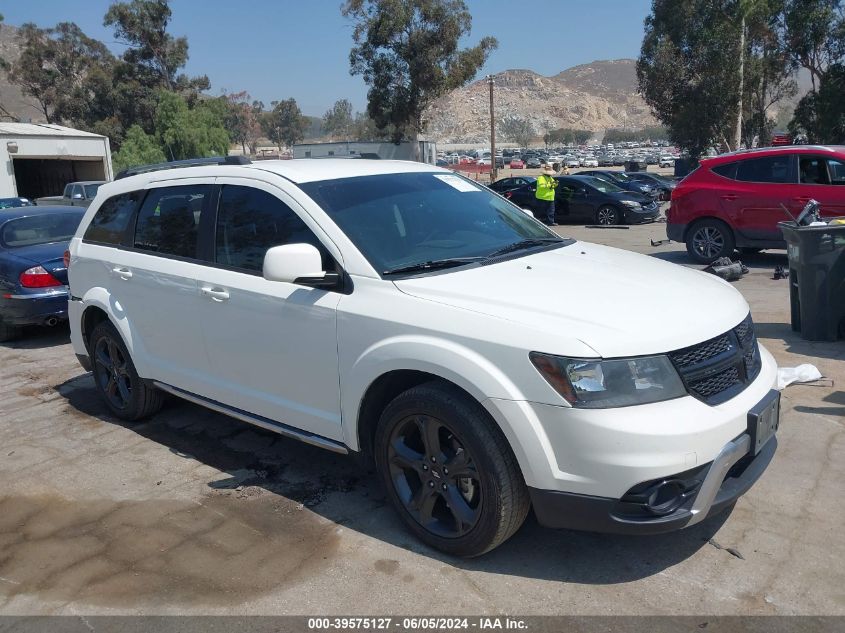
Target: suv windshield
point(404, 220)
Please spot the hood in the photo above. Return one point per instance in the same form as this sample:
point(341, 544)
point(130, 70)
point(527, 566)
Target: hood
point(50, 256)
point(617, 302)
point(636, 196)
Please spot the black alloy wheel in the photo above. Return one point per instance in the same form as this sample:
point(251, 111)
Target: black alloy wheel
point(126, 394)
point(112, 375)
point(448, 470)
point(434, 476)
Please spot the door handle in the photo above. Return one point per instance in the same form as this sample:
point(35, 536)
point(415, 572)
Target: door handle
point(729, 196)
point(123, 273)
point(217, 294)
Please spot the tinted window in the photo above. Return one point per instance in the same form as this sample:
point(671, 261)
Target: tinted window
point(109, 223)
point(837, 171)
point(773, 169)
point(727, 170)
point(812, 170)
point(77, 190)
point(169, 219)
point(40, 229)
point(91, 191)
point(249, 221)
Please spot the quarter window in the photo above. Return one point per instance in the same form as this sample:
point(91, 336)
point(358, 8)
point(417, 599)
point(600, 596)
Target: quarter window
point(108, 225)
point(837, 171)
point(169, 219)
point(773, 169)
point(250, 221)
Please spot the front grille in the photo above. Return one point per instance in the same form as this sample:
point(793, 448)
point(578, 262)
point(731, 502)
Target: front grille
point(700, 353)
point(716, 370)
point(714, 385)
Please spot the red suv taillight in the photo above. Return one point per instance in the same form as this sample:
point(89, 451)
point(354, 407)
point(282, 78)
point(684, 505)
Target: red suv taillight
point(66, 259)
point(37, 277)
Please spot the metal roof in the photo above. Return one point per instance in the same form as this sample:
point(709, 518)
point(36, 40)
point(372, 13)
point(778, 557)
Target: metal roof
point(42, 129)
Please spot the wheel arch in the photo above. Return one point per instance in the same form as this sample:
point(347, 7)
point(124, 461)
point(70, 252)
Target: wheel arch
point(388, 369)
point(101, 306)
point(703, 218)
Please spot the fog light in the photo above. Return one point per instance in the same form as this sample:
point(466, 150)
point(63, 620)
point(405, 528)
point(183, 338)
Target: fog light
point(666, 497)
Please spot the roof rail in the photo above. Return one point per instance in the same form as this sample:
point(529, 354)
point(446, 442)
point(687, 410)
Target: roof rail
point(177, 164)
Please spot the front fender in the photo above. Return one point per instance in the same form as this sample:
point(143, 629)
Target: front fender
point(477, 375)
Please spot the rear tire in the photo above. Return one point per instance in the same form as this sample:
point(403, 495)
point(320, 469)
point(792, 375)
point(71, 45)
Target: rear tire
point(421, 435)
point(126, 395)
point(710, 239)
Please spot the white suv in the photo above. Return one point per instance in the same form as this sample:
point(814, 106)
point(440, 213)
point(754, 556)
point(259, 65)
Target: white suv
point(399, 311)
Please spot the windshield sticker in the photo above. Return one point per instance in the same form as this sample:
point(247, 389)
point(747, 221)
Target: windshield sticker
point(457, 182)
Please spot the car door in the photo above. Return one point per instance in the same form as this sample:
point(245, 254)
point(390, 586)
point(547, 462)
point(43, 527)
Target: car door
point(752, 202)
point(272, 345)
point(151, 280)
point(821, 178)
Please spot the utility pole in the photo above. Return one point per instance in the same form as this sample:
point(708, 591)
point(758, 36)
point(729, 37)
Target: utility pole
point(492, 132)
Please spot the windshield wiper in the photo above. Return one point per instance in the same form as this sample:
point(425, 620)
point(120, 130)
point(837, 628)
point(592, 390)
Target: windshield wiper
point(432, 264)
point(523, 244)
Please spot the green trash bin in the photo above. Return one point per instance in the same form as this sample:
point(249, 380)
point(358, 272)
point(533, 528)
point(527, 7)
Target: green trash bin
point(816, 279)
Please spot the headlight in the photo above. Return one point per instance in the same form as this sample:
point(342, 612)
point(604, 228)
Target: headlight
point(631, 203)
point(601, 384)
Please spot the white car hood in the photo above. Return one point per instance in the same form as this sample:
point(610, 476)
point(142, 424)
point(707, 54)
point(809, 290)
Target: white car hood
point(617, 302)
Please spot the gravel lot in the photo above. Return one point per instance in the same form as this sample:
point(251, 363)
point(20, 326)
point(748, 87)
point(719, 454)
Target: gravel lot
point(192, 512)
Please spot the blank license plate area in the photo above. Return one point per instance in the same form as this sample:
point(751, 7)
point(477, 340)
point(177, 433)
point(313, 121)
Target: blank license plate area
point(763, 420)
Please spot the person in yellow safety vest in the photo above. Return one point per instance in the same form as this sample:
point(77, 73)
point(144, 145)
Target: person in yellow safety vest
point(546, 186)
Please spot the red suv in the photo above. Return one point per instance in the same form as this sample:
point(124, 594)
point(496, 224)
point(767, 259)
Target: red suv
point(734, 200)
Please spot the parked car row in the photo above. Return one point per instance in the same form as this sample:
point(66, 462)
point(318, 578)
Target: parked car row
point(588, 199)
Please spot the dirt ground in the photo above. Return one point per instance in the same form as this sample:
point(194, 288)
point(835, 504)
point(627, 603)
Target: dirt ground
point(192, 512)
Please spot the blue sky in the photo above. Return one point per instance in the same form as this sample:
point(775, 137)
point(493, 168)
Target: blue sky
point(276, 49)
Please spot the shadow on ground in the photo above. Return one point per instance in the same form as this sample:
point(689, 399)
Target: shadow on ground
point(37, 337)
point(260, 463)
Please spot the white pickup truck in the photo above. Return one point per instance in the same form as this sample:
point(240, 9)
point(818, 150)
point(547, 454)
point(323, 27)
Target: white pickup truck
point(76, 194)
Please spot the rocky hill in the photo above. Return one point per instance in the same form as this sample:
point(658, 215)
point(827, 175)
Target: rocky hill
point(11, 97)
point(593, 96)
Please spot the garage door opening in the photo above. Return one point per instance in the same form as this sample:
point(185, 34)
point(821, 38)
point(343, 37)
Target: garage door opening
point(40, 177)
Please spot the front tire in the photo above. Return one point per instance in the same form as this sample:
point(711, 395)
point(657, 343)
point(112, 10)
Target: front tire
point(449, 471)
point(126, 395)
point(608, 216)
point(710, 239)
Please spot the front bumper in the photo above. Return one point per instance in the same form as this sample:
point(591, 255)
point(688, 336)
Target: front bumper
point(717, 486)
point(34, 307)
point(644, 214)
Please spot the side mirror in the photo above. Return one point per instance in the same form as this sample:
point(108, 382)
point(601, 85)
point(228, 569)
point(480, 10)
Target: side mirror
point(77, 196)
point(297, 264)
point(528, 212)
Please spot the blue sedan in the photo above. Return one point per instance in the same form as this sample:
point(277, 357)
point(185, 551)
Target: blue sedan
point(33, 274)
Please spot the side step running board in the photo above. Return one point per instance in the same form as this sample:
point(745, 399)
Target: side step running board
point(257, 420)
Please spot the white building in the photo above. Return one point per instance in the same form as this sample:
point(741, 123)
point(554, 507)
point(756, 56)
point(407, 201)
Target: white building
point(368, 149)
point(39, 159)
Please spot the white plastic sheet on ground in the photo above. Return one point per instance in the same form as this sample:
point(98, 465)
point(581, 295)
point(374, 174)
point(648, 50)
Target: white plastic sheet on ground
point(802, 373)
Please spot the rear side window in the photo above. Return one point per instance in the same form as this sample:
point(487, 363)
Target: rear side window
point(773, 169)
point(108, 225)
point(837, 171)
point(249, 221)
point(728, 170)
point(168, 222)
